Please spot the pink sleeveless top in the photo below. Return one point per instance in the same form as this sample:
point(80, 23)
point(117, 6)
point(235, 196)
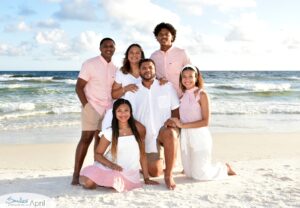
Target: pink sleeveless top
point(189, 106)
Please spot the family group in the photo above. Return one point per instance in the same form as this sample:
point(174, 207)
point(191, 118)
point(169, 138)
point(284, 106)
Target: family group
point(140, 114)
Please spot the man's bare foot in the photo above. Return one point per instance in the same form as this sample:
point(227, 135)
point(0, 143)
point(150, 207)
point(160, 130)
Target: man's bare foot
point(75, 180)
point(170, 183)
point(230, 172)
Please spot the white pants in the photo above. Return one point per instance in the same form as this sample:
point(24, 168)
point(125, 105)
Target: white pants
point(196, 146)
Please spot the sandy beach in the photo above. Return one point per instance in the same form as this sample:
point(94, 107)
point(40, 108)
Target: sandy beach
point(268, 168)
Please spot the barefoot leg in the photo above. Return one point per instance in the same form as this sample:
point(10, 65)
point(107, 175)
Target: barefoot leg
point(230, 172)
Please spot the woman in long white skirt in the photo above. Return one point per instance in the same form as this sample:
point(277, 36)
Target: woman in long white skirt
point(195, 138)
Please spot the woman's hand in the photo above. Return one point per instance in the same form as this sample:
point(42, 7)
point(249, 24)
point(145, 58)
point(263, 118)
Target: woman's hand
point(177, 122)
point(162, 81)
point(148, 181)
point(131, 87)
point(116, 167)
point(170, 123)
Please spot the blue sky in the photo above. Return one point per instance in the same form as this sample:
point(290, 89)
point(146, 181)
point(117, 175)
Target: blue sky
point(217, 34)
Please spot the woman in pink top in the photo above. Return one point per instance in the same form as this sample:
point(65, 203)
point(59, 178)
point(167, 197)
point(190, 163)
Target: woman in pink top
point(196, 141)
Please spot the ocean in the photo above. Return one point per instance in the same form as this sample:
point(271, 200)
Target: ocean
point(241, 101)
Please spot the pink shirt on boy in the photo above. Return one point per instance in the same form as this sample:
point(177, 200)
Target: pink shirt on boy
point(169, 64)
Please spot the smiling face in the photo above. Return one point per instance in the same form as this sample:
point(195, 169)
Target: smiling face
point(189, 78)
point(147, 71)
point(123, 113)
point(164, 37)
point(134, 55)
point(107, 49)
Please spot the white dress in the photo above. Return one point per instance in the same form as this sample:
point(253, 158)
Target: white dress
point(196, 143)
point(128, 157)
point(122, 79)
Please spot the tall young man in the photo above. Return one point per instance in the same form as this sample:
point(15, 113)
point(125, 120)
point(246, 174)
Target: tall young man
point(93, 88)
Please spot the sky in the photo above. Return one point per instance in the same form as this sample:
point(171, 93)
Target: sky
point(217, 34)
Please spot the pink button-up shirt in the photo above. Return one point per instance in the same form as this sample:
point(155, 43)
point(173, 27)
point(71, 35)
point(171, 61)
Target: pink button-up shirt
point(100, 76)
point(169, 64)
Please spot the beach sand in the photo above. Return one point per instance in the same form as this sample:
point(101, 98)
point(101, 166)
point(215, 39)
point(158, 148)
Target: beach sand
point(268, 168)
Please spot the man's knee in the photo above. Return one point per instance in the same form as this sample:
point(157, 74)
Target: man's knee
point(155, 171)
point(168, 134)
point(155, 168)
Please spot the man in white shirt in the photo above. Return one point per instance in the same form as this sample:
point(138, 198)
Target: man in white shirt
point(153, 105)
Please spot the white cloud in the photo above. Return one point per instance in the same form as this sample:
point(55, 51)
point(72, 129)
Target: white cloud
point(196, 7)
point(82, 10)
point(49, 23)
point(134, 22)
point(49, 37)
point(20, 27)
point(88, 40)
point(246, 28)
point(25, 11)
point(63, 47)
point(10, 50)
point(232, 4)
point(140, 15)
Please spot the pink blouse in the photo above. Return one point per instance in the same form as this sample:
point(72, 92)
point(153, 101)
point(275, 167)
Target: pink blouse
point(190, 109)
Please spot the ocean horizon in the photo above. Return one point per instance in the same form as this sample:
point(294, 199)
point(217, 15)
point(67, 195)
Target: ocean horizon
point(241, 101)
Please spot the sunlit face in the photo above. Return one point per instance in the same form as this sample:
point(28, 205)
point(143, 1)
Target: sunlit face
point(107, 49)
point(123, 113)
point(164, 37)
point(189, 79)
point(134, 55)
point(147, 71)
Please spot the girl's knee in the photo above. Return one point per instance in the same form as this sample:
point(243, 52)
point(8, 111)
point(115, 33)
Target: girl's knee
point(88, 183)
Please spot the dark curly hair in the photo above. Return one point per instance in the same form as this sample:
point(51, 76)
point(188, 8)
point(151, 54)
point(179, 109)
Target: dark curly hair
point(167, 26)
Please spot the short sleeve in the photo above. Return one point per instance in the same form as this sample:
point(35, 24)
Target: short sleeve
point(119, 77)
point(83, 74)
point(107, 133)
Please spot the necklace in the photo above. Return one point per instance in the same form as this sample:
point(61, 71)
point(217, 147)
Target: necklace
point(125, 131)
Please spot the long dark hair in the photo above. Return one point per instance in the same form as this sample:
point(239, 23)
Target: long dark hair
point(126, 64)
point(115, 127)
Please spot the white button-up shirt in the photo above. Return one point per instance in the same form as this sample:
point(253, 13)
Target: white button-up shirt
point(152, 107)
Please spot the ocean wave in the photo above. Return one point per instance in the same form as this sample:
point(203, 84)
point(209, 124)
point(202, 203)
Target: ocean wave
point(10, 107)
point(67, 81)
point(18, 111)
point(22, 115)
point(13, 86)
point(258, 87)
point(44, 79)
point(292, 78)
point(37, 124)
point(272, 87)
point(253, 108)
point(68, 109)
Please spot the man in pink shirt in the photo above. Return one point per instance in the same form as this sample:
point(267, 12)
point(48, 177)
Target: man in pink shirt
point(93, 88)
point(169, 59)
